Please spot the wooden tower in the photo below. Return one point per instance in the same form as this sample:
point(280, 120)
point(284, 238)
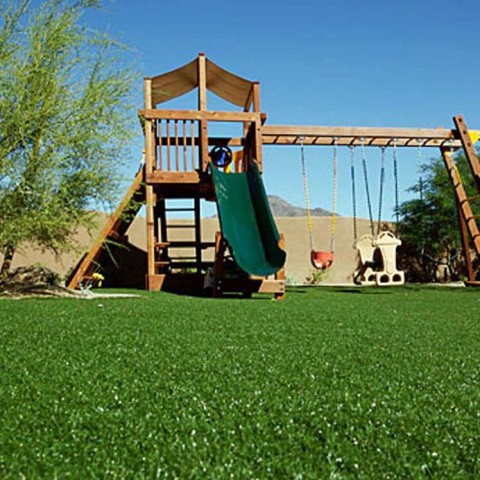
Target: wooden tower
point(177, 145)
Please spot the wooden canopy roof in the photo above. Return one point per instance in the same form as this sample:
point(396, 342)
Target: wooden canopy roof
point(226, 85)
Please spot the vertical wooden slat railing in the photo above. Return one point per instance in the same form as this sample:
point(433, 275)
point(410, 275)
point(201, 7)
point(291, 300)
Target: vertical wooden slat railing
point(184, 131)
point(169, 159)
point(160, 145)
point(192, 144)
point(177, 150)
point(176, 144)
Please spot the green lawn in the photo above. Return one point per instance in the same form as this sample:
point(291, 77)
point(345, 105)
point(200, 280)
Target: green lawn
point(328, 384)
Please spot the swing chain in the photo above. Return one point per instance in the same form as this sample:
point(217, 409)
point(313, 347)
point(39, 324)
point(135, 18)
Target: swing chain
point(367, 186)
point(381, 186)
point(307, 194)
point(354, 196)
point(395, 177)
point(334, 199)
point(419, 167)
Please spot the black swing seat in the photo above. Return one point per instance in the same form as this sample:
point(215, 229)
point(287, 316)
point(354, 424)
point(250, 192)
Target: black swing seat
point(321, 260)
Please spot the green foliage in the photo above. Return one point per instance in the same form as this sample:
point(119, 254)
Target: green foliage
point(316, 277)
point(358, 384)
point(65, 117)
point(429, 223)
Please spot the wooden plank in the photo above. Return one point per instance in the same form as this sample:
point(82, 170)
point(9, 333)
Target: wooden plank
point(195, 141)
point(160, 176)
point(202, 82)
point(253, 285)
point(272, 286)
point(324, 135)
point(219, 116)
point(366, 132)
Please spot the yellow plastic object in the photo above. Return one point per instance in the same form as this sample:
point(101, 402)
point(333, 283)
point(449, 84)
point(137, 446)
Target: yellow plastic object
point(474, 135)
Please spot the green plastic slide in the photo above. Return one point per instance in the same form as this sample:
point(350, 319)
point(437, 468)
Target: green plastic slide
point(247, 222)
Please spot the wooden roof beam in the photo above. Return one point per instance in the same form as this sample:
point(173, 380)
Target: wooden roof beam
point(215, 116)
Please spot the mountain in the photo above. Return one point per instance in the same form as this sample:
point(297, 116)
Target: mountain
point(281, 208)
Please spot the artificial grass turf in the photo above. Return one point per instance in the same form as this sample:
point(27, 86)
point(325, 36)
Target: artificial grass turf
point(330, 383)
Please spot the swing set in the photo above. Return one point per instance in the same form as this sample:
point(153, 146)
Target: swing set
point(371, 271)
point(178, 159)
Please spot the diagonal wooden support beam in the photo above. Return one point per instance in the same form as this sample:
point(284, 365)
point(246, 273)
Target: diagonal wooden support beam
point(116, 226)
point(461, 197)
point(468, 147)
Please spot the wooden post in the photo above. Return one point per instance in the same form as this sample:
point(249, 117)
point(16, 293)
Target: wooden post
point(149, 194)
point(257, 143)
point(220, 247)
point(280, 275)
point(465, 244)
point(198, 234)
point(202, 106)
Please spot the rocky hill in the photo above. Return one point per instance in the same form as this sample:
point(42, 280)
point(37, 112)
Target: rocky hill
point(281, 208)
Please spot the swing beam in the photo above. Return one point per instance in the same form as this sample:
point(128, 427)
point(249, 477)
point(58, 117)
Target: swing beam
point(368, 136)
point(446, 140)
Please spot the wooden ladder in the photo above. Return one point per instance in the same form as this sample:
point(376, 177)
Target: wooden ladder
point(164, 260)
point(467, 219)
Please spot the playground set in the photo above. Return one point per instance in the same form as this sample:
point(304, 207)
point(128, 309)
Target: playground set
point(183, 160)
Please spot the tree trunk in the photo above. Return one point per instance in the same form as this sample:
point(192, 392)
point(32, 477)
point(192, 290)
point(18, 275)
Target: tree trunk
point(8, 254)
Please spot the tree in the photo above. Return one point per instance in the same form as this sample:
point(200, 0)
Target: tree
point(65, 119)
point(429, 222)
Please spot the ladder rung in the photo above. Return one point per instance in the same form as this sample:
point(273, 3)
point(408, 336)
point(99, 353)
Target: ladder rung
point(192, 265)
point(191, 244)
point(474, 197)
point(180, 209)
point(181, 226)
point(162, 244)
point(162, 263)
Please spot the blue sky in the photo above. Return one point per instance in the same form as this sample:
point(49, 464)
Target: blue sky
point(408, 63)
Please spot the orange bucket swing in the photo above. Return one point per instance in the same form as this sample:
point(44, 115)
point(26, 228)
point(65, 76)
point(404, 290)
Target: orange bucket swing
point(321, 260)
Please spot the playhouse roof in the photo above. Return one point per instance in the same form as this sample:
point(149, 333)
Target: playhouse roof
point(230, 87)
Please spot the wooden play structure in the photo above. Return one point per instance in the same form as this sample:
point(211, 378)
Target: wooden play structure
point(248, 251)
